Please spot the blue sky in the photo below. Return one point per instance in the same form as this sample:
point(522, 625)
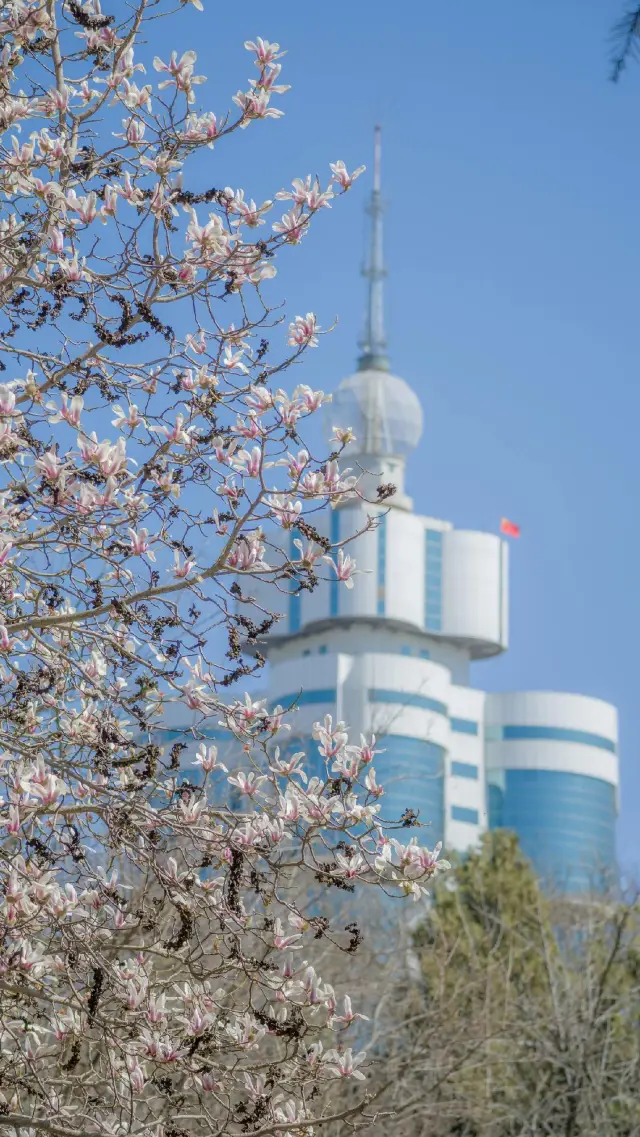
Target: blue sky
point(512, 170)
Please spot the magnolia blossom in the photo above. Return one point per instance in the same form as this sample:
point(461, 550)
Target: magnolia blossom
point(131, 417)
point(309, 555)
point(140, 543)
point(293, 226)
point(345, 1064)
point(7, 400)
point(307, 192)
point(348, 1016)
point(5, 551)
point(181, 569)
point(51, 467)
point(248, 212)
point(302, 332)
point(160, 931)
point(72, 270)
point(342, 435)
point(284, 510)
point(344, 566)
point(201, 128)
point(342, 176)
point(266, 53)
point(70, 411)
point(207, 758)
point(248, 784)
point(180, 72)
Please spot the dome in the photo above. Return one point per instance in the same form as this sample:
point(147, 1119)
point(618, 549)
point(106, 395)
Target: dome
point(382, 410)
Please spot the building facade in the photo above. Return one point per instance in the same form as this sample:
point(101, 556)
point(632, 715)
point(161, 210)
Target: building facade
point(392, 655)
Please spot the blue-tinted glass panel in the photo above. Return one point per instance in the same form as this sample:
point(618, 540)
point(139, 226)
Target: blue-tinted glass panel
point(405, 651)
point(461, 813)
point(566, 825)
point(307, 698)
point(424, 654)
point(557, 734)
point(495, 806)
point(406, 699)
point(464, 770)
point(433, 580)
point(411, 770)
point(464, 726)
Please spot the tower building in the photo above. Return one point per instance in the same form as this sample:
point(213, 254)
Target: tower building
point(392, 655)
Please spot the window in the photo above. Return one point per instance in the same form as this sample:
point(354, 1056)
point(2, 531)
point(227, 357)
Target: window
point(464, 770)
point(405, 650)
point(309, 698)
point(557, 734)
point(322, 650)
point(461, 813)
point(424, 654)
point(433, 580)
point(464, 726)
point(306, 651)
point(406, 699)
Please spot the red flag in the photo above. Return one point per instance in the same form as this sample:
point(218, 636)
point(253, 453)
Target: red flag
point(509, 527)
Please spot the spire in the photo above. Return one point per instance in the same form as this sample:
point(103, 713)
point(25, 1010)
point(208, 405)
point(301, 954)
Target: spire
point(374, 344)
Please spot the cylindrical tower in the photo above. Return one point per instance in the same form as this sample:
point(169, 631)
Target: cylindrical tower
point(552, 773)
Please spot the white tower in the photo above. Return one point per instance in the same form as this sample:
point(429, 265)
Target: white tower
point(392, 655)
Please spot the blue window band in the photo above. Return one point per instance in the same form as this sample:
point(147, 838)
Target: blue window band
point(464, 726)
point(461, 813)
point(433, 580)
point(376, 695)
point(308, 698)
point(464, 770)
point(565, 823)
point(406, 699)
point(552, 734)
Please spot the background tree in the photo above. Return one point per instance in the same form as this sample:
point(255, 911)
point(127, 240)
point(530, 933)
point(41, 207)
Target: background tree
point(519, 1013)
point(144, 443)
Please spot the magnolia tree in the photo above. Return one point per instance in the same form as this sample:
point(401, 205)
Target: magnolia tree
point(144, 443)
